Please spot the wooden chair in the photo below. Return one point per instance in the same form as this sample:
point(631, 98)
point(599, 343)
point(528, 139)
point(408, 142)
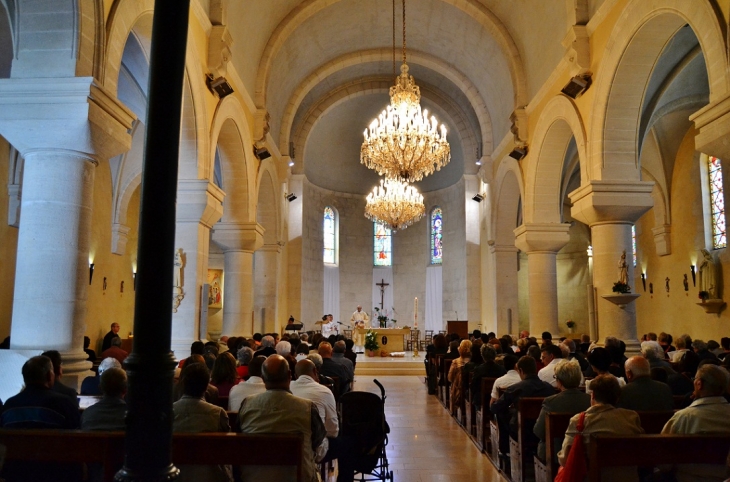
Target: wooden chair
point(428, 338)
point(413, 340)
point(521, 451)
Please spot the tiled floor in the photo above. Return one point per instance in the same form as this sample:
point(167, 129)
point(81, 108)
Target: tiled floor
point(425, 443)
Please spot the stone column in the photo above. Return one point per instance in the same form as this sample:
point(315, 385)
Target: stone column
point(506, 292)
point(611, 208)
point(239, 241)
point(541, 242)
point(62, 127)
point(199, 207)
point(265, 278)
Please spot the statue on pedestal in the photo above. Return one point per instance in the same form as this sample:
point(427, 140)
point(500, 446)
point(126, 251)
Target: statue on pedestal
point(623, 270)
point(708, 275)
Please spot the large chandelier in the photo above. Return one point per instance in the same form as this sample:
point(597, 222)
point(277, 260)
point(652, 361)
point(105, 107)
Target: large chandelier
point(394, 203)
point(404, 142)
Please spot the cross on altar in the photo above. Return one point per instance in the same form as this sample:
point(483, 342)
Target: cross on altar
point(382, 285)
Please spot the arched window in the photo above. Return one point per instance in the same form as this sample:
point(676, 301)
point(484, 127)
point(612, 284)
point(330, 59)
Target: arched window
point(437, 249)
point(329, 254)
point(382, 245)
point(717, 203)
point(633, 243)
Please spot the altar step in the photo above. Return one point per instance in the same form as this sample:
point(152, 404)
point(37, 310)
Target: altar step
point(406, 366)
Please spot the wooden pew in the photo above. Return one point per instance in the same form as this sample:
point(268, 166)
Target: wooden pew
point(608, 451)
point(469, 413)
point(521, 450)
point(556, 425)
point(483, 415)
point(107, 448)
point(459, 411)
point(444, 385)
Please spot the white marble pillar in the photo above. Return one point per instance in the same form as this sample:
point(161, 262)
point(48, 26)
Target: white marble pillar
point(239, 241)
point(610, 208)
point(506, 288)
point(541, 242)
point(199, 207)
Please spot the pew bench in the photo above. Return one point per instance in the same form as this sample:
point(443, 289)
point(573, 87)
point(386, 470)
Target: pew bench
point(107, 449)
point(521, 450)
point(483, 415)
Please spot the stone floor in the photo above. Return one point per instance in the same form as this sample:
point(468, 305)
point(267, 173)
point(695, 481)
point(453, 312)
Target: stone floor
point(425, 443)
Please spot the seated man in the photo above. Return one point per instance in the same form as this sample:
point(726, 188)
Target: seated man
point(641, 393)
point(488, 369)
point(530, 386)
point(330, 368)
point(569, 400)
point(550, 356)
point(268, 346)
point(512, 377)
point(709, 413)
point(277, 411)
point(91, 354)
point(192, 415)
point(59, 387)
point(115, 351)
point(252, 386)
point(114, 331)
point(307, 386)
point(338, 356)
point(92, 385)
point(109, 412)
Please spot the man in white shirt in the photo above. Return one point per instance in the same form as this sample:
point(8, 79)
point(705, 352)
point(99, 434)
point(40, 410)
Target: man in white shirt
point(254, 385)
point(506, 381)
point(308, 387)
point(550, 356)
point(359, 320)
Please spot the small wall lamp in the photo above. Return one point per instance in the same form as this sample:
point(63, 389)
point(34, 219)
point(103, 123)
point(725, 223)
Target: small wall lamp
point(91, 272)
point(134, 280)
point(694, 277)
point(643, 280)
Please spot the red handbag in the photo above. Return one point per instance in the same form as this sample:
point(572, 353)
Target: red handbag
point(575, 468)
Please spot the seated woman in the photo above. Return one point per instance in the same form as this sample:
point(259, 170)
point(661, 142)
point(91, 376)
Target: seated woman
point(604, 418)
point(224, 375)
point(600, 361)
point(455, 374)
point(245, 355)
point(193, 414)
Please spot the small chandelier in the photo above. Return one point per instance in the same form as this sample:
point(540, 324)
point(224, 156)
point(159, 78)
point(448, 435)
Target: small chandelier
point(395, 204)
point(404, 142)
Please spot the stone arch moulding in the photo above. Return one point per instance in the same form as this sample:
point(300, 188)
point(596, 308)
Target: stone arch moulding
point(231, 133)
point(384, 55)
point(268, 180)
point(509, 191)
point(380, 85)
point(558, 123)
point(640, 35)
point(473, 8)
point(198, 90)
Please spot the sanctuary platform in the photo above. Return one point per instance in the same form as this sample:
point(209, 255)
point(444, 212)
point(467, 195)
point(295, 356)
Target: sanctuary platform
point(394, 366)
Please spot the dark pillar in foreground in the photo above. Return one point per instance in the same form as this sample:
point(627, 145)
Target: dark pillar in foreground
point(150, 365)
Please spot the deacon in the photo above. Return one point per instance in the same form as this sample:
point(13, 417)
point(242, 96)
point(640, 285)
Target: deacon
point(359, 319)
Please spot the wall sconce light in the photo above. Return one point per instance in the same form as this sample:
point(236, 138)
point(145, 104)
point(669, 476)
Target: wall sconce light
point(134, 280)
point(590, 251)
point(643, 281)
point(91, 272)
point(694, 277)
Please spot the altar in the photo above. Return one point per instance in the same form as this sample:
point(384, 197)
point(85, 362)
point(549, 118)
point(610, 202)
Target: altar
point(390, 339)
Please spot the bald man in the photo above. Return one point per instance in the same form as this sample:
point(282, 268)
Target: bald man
point(331, 368)
point(277, 411)
point(641, 392)
point(307, 386)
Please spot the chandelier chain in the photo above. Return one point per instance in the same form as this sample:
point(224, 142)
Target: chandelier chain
point(394, 38)
point(404, 31)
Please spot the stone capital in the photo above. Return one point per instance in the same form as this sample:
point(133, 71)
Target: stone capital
point(199, 201)
point(246, 237)
point(73, 114)
point(713, 125)
point(272, 247)
point(604, 202)
point(498, 248)
point(542, 237)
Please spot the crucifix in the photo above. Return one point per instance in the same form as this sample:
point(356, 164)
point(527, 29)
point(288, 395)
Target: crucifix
point(382, 285)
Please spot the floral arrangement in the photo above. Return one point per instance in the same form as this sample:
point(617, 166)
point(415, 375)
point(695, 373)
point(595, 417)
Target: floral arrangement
point(704, 295)
point(383, 317)
point(570, 323)
point(371, 340)
point(619, 287)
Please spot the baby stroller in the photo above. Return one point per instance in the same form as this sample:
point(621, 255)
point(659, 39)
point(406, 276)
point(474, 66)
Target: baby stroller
point(362, 416)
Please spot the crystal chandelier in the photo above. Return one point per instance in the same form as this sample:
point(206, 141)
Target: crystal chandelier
point(394, 203)
point(403, 142)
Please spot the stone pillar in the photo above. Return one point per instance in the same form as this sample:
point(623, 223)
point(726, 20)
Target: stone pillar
point(505, 271)
point(266, 268)
point(239, 241)
point(62, 127)
point(610, 208)
point(199, 207)
point(541, 242)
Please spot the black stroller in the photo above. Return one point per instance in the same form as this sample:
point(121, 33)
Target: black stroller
point(362, 416)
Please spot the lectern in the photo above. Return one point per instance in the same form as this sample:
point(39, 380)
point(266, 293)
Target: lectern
point(461, 328)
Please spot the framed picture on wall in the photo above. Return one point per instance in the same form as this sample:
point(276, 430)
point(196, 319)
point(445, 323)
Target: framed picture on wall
point(215, 292)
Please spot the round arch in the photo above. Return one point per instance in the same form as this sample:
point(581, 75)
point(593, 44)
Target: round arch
point(268, 205)
point(230, 134)
point(632, 50)
point(506, 205)
point(558, 123)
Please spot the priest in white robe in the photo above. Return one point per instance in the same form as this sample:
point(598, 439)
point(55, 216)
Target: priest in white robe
point(359, 319)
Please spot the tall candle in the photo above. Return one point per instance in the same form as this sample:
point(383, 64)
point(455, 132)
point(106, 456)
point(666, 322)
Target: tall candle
point(415, 312)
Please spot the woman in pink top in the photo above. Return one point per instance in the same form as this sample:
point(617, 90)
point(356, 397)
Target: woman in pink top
point(224, 375)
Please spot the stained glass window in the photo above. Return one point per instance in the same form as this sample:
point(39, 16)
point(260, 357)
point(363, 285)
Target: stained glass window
point(717, 203)
point(633, 243)
point(329, 255)
point(382, 245)
point(436, 236)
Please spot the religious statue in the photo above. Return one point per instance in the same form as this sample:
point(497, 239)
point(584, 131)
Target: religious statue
point(708, 271)
point(623, 270)
point(686, 282)
point(666, 284)
point(177, 292)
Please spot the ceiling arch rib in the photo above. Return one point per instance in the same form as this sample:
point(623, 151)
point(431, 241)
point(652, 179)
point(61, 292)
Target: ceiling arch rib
point(460, 80)
point(468, 134)
point(472, 8)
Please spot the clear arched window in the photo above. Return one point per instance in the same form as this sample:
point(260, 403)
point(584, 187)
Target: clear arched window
point(329, 254)
point(382, 245)
point(437, 226)
point(717, 203)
